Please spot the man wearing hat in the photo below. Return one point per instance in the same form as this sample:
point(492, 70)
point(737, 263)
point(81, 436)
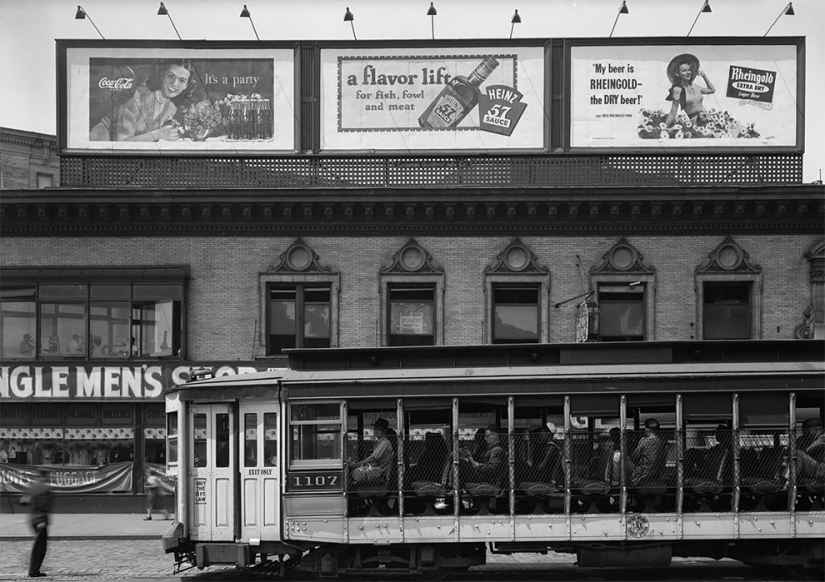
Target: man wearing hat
point(681, 72)
point(378, 464)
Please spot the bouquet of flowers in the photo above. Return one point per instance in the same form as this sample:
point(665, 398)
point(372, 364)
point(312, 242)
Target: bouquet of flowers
point(709, 124)
point(199, 119)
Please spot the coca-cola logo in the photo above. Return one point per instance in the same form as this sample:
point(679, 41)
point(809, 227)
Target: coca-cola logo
point(115, 84)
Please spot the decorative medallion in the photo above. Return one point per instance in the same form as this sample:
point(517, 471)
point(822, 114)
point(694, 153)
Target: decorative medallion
point(637, 526)
point(299, 258)
point(623, 258)
point(728, 257)
point(516, 258)
point(412, 258)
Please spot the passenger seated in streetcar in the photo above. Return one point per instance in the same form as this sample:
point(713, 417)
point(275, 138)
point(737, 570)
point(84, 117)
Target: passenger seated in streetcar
point(487, 468)
point(375, 468)
point(812, 440)
point(641, 464)
point(546, 452)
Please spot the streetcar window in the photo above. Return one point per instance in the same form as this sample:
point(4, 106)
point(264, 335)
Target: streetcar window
point(270, 439)
point(199, 458)
point(172, 437)
point(222, 440)
point(250, 455)
point(316, 432)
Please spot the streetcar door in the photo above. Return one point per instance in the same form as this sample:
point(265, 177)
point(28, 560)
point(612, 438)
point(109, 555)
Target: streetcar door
point(210, 472)
point(260, 464)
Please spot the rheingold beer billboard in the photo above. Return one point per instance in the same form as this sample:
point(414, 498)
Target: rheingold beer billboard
point(187, 100)
point(402, 99)
point(676, 96)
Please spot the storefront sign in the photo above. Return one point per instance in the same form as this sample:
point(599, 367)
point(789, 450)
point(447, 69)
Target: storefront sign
point(82, 414)
point(184, 100)
point(685, 96)
point(69, 479)
point(14, 415)
point(100, 382)
point(477, 98)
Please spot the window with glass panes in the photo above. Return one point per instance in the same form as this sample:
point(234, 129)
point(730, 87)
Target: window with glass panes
point(411, 315)
point(621, 312)
point(91, 320)
point(726, 311)
point(516, 313)
point(298, 317)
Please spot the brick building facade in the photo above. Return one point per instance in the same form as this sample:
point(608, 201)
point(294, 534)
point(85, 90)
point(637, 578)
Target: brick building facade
point(28, 160)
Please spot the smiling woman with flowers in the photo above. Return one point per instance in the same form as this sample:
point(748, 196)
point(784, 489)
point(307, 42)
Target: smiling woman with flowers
point(682, 71)
point(147, 115)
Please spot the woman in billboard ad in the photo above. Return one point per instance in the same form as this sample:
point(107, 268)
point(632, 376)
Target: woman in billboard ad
point(682, 72)
point(147, 114)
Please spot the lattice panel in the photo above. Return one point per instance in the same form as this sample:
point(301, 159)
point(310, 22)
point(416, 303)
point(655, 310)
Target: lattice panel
point(470, 171)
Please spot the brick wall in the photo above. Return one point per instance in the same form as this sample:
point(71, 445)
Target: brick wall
point(15, 171)
point(223, 302)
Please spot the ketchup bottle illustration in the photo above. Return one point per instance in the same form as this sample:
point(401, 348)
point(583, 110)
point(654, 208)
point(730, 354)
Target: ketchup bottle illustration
point(457, 99)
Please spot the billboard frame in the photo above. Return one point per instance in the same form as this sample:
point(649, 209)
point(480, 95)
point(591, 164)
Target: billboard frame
point(64, 45)
point(798, 41)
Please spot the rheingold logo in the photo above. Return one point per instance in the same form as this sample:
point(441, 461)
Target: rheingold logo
point(116, 84)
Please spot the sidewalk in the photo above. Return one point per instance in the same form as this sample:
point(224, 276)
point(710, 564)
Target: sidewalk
point(88, 526)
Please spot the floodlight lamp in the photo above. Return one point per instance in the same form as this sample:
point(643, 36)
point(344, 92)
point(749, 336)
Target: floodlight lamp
point(162, 10)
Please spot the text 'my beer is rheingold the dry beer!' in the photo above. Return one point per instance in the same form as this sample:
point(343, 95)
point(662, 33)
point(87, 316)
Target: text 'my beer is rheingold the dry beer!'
point(457, 99)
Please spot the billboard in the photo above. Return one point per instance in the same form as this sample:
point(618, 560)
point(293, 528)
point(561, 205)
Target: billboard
point(677, 96)
point(179, 99)
point(402, 99)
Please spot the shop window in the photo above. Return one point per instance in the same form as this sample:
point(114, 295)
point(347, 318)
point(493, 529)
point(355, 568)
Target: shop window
point(316, 433)
point(729, 291)
point(94, 319)
point(299, 303)
point(18, 322)
point(624, 292)
point(517, 289)
point(412, 286)
point(412, 315)
point(515, 314)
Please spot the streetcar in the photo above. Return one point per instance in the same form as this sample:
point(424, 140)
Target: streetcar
point(421, 460)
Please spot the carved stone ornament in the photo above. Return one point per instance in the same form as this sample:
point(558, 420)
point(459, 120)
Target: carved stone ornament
point(516, 258)
point(299, 258)
point(728, 257)
point(623, 258)
point(816, 260)
point(806, 329)
point(412, 258)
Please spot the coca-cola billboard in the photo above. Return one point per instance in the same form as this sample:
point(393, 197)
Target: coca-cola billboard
point(180, 100)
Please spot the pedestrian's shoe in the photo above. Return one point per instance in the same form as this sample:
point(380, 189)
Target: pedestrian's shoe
point(147, 518)
point(38, 575)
